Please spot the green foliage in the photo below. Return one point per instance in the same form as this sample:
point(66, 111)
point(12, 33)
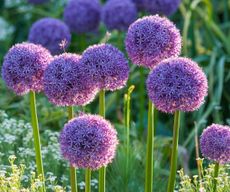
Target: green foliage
point(205, 181)
point(205, 28)
point(16, 139)
point(12, 179)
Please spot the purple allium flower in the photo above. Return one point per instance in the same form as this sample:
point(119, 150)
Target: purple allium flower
point(37, 1)
point(119, 14)
point(177, 84)
point(23, 67)
point(106, 66)
point(50, 32)
point(215, 143)
point(88, 141)
point(82, 16)
point(166, 7)
point(65, 84)
point(151, 39)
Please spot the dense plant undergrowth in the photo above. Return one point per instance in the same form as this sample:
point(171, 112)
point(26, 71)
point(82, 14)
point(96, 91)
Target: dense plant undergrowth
point(205, 29)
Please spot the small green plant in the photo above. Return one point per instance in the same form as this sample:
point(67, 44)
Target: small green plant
point(204, 182)
point(12, 179)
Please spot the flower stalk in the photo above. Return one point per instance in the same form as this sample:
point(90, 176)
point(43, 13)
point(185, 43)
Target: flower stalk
point(127, 99)
point(142, 101)
point(36, 135)
point(150, 149)
point(102, 171)
point(73, 176)
point(127, 117)
point(173, 165)
point(216, 173)
point(87, 180)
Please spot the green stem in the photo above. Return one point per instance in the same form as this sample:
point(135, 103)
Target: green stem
point(73, 176)
point(87, 180)
point(102, 171)
point(70, 113)
point(126, 120)
point(83, 43)
point(120, 40)
point(185, 32)
point(216, 172)
point(198, 160)
point(37, 143)
point(102, 175)
point(102, 103)
point(150, 149)
point(73, 179)
point(214, 27)
point(142, 101)
point(127, 125)
point(173, 165)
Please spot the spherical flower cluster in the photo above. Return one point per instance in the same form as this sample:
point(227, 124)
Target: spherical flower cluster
point(106, 66)
point(24, 66)
point(166, 7)
point(65, 84)
point(215, 143)
point(119, 14)
point(50, 32)
point(151, 39)
point(88, 141)
point(82, 15)
point(37, 1)
point(177, 84)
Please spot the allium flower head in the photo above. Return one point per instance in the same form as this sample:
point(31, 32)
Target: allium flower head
point(82, 16)
point(88, 141)
point(106, 66)
point(177, 84)
point(215, 143)
point(50, 32)
point(23, 67)
point(166, 7)
point(65, 84)
point(151, 39)
point(119, 14)
point(37, 1)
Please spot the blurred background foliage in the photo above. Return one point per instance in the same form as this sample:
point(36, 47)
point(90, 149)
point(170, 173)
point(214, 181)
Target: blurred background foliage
point(205, 28)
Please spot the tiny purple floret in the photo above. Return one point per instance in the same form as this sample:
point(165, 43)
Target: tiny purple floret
point(88, 141)
point(151, 39)
point(215, 143)
point(24, 66)
point(177, 84)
